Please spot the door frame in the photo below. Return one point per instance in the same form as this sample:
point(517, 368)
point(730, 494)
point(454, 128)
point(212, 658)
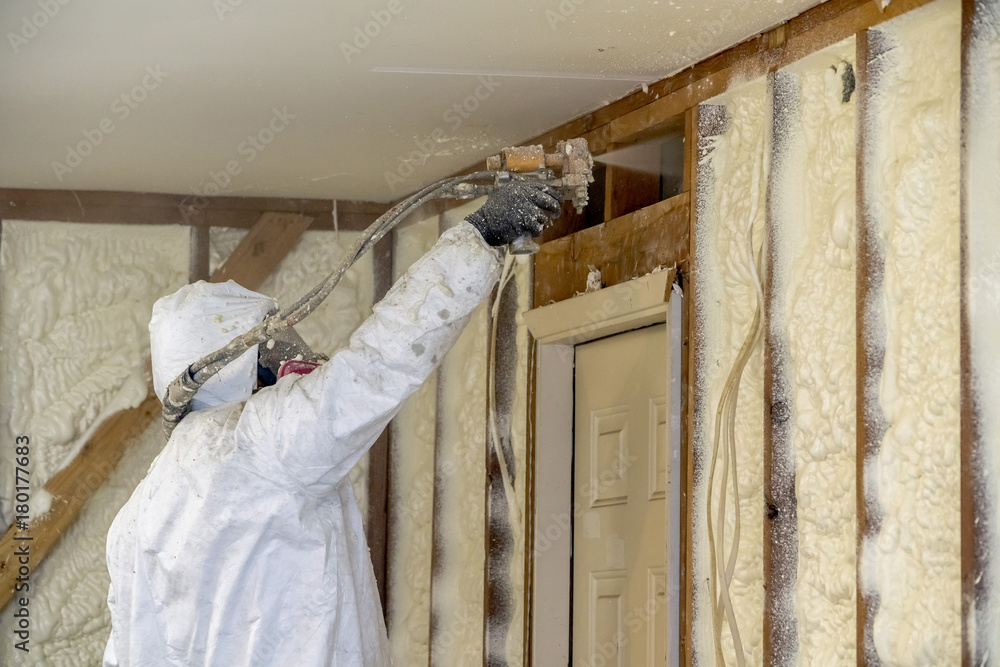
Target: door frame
point(557, 329)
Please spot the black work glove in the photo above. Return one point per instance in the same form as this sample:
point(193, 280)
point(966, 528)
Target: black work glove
point(515, 209)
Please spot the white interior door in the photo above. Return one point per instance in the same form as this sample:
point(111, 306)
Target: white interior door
point(619, 536)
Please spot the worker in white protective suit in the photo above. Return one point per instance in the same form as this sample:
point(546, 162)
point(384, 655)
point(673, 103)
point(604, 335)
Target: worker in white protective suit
point(244, 544)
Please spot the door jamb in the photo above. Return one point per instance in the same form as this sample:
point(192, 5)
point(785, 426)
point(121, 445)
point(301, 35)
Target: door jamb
point(557, 328)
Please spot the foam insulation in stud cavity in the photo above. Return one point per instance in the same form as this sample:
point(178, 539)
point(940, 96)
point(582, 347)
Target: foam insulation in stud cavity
point(736, 163)
point(70, 621)
point(912, 172)
point(814, 249)
point(327, 329)
point(75, 302)
point(74, 310)
point(412, 505)
point(458, 581)
point(517, 423)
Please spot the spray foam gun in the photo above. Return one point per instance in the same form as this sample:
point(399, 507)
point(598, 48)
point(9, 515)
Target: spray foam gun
point(571, 159)
point(569, 169)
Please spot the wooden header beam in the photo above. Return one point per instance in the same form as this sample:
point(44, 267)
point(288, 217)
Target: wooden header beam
point(73, 486)
point(623, 248)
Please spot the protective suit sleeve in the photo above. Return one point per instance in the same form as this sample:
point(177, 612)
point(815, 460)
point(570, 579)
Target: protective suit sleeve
point(316, 427)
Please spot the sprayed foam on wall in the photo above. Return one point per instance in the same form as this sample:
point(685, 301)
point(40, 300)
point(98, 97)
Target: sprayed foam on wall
point(327, 329)
point(734, 166)
point(912, 174)
point(74, 344)
point(814, 240)
point(518, 430)
point(457, 595)
point(461, 423)
point(983, 284)
point(412, 505)
point(75, 337)
point(70, 621)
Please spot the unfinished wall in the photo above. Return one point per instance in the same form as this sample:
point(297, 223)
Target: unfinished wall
point(439, 510)
point(812, 340)
point(412, 504)
point(731, 204)
point(75, 341)
point(911, 172)
point(905, 496)
point(460, 482)
point(514, 425)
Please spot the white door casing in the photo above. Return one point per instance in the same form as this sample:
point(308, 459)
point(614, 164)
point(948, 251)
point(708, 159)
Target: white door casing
point(556, 329)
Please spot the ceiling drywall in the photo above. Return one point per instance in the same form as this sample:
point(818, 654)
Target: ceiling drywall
point(311, 98)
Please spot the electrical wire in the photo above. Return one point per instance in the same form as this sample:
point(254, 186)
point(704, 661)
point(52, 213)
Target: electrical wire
point(513, 509)
point(725, 441)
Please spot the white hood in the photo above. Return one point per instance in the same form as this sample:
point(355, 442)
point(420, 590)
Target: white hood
point(197, 320)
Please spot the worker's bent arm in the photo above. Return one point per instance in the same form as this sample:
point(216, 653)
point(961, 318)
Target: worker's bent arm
point(316, 427)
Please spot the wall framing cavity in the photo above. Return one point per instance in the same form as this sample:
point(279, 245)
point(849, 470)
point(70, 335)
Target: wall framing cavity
point(453, 601)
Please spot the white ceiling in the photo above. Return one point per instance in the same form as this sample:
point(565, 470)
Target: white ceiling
point(227, 65)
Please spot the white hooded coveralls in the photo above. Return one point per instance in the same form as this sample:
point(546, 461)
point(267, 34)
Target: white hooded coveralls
point(244, 543)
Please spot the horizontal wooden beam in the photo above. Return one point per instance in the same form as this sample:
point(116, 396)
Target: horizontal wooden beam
point(95, 206)
point(622, 249)
point(73, 486)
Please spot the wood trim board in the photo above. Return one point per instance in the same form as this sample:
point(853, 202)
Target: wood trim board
point(622, 249)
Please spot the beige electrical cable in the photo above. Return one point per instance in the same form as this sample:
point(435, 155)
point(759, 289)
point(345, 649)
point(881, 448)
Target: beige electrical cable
point(513, 509)
point(726, 414)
